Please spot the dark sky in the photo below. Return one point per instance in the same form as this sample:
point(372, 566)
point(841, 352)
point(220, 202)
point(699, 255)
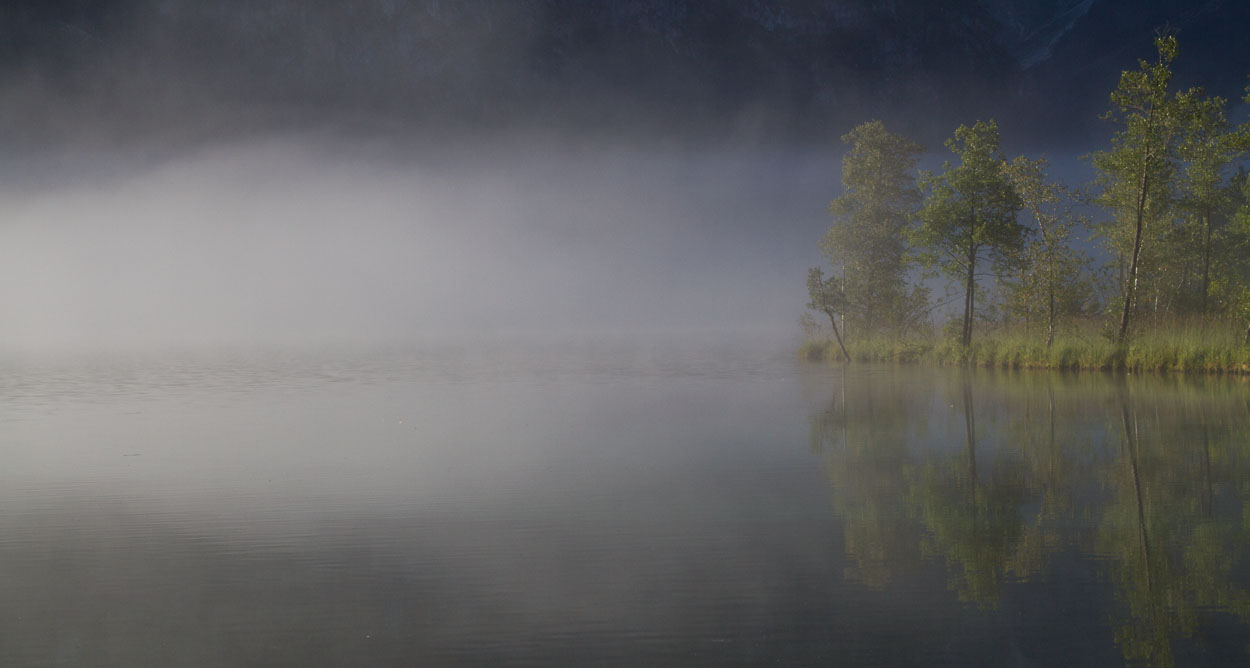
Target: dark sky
point(784, 70)
point(189, 172)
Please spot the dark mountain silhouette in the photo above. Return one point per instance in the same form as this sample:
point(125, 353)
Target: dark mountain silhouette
point(794, 70)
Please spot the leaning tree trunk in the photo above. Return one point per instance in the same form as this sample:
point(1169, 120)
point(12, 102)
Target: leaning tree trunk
point(833, 322)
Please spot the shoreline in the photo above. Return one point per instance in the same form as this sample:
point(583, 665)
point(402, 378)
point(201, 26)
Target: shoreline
point(1203, 355)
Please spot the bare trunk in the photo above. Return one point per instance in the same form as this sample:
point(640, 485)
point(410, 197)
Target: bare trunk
point(823, 300)
point(1206, 260)
point(833, 322)
point(1130, 285)
point(1050, 279)
point(1050, 316)
point(969, 294)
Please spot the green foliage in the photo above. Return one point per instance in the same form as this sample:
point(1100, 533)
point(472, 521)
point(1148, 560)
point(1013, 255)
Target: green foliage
point(1177, 227)
point(969, 214)
point(1167, 164)
point(1053, 279)
point(809, 325)
point(865, 242)
point(1207, 198)
point(813, 350)
point(1230, 285)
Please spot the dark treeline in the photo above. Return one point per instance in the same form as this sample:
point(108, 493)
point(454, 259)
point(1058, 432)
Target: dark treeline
point(1170, 206)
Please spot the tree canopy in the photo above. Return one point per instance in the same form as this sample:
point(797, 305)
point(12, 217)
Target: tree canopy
point(866, 240)
point(969, 214)
point(1170, 205)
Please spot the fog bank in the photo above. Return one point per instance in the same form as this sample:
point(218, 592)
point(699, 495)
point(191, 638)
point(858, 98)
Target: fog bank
point(314, 239)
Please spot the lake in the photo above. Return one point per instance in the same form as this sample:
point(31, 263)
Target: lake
point(615, 504)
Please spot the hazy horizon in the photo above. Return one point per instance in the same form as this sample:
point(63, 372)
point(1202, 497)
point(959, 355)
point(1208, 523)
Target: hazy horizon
point(312, 239)
point(185, 175)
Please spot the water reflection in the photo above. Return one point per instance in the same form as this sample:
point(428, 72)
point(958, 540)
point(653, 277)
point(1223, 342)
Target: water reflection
point(1135, 488)
point(622, 508)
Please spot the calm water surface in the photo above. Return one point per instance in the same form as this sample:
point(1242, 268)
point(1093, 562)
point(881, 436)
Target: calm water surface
point(615, 505)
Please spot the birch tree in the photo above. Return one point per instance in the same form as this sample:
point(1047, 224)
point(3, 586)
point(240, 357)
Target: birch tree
point(968, 218)
point(1135, 177)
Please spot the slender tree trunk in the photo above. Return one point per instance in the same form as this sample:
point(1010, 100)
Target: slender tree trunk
point(833, 322)
point(1206, 260)
point(868, 322)
point(969, 294)
point(1051, 279)
point(845, 331)
point(1130, 285)
point(1050, 315)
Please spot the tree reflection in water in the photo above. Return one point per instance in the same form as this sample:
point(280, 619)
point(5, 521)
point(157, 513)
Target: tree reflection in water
point(1000, 476)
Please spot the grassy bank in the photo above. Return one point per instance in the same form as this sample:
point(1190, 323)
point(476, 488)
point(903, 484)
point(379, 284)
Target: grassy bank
point(875, 350)
point(1209, 348)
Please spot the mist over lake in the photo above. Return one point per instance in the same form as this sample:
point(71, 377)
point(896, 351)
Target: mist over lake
point(307, 239)
point(624, 333)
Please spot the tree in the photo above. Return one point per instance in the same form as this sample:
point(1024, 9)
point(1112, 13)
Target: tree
point(825, 295)
point(1135, 175)
point(1234, 282)
point(1051, 269)
point(1208, 149)
point(969, 214)
point(866, 241)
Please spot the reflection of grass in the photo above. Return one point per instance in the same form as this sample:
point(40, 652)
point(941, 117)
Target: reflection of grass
point(1188, 347)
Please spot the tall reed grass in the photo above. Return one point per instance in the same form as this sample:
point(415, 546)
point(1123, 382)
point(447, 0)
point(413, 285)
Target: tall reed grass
point(1180, 346)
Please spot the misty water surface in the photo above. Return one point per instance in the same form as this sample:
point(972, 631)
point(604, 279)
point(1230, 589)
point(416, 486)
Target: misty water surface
point(613, 504)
